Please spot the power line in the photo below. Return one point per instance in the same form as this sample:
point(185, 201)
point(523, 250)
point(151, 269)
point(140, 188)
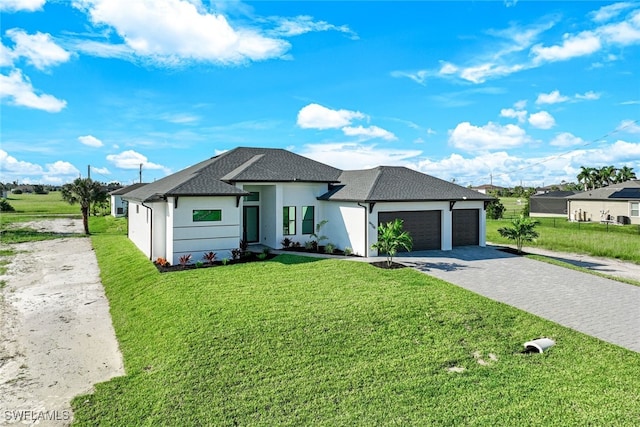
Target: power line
point(548, 159)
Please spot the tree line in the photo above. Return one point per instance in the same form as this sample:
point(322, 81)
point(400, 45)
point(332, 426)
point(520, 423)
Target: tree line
point(592, 178)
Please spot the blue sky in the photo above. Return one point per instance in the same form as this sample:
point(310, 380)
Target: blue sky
point(509, 92)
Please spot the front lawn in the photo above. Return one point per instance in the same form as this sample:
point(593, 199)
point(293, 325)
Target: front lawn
point(302, 341)
point(558, 234)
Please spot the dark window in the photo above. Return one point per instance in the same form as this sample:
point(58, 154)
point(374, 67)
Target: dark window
point(207, 215)
point(119, 211)
point(308, 219)
point(253, 197)
point(289, 220)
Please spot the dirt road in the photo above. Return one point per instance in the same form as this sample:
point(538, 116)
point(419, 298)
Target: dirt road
point(56, 335)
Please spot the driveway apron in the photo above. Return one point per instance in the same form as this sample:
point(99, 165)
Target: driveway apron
point(603, 308)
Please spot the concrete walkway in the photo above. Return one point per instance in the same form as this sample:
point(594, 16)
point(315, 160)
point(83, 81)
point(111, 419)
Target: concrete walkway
point(596, 306)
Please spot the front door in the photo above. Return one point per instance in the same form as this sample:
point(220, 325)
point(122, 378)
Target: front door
point(251, 224)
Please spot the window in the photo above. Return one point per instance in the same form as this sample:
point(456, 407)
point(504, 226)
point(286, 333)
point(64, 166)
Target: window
point(308, 219)
point(635, 208)
point(207, 215)
point(289, 220)
point(119, 211)
point(253, 197)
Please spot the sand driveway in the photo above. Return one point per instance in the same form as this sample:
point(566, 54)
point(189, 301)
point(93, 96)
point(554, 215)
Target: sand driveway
point(56, 335)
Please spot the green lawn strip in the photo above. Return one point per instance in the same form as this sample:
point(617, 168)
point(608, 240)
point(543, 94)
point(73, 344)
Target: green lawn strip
point(299, 341)
point(620, 242)
point(582, 269)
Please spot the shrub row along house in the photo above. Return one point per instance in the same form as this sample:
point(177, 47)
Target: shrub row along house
point(263, 195)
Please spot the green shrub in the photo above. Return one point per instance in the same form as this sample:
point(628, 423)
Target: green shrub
point(5, 206)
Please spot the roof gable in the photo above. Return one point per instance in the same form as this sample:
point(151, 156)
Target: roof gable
point(395, 183)
point(216, 176)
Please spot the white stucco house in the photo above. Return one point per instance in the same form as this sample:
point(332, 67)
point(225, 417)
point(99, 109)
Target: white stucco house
point(263, 195)
point(118, 204)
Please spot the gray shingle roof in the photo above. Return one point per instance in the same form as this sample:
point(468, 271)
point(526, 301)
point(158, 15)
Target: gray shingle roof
point(394, 183)
point(629, 190)
point(127, 189)
point(217, 175)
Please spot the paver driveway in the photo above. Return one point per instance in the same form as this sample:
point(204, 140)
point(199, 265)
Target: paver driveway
point(600, 307)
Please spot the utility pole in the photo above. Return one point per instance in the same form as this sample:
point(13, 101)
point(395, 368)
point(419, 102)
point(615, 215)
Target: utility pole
point(140, 173)
point(89, 171)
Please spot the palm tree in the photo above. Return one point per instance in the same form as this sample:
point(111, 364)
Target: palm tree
point(625, 173)
point(522, 230)
point(607, 175)
point(586, 176)
point(84, 191)
point(392, 237)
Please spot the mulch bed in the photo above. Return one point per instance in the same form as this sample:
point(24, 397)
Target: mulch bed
point(247, 257)
point(513, 251)
point(385, 265)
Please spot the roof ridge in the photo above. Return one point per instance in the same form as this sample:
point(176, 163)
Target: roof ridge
point(374, 182)
point(241, 168)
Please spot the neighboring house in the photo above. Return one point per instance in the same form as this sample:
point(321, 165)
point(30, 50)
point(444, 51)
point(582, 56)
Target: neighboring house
point(118, 204)
point(615, 203)
point(487, 188)
point(264, 195)
point(551, 204)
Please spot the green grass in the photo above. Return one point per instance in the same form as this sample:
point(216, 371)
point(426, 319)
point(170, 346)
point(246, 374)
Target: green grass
point(299, 341)
point(558, 234)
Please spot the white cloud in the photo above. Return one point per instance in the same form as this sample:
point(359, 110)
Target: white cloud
point(608, 12)
point(542, 120)
point(584, 43)
point(6, 56)
point(39, 49)
point(349, 156)
point(520, 105)
point(11, 166)
point(553, 97)
point(629, 126)
point(566, 139)
point(19, 91)
point(315, 116)
point(369, 132)
point(61, 168)
point(21, 5)
point(102, 171)
point(90, 141)
point(172, 32)
point(491, 136)
point(419, 77)
point(588, 96)
point(521, 115)
point(288, 27)
point(132, 160)
point(181, 118)
point(447, 68)
point(22, 171)
point(623, 33)
point(480, 73)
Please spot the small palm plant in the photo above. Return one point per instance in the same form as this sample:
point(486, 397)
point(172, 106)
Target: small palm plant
point(522, 230)
point(391, 237)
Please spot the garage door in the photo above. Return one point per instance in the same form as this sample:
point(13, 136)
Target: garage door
point(466, 227)
point(423, 226)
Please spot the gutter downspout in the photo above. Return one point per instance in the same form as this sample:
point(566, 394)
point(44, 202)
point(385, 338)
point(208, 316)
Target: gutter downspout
point(151, 232)
point(366, 231)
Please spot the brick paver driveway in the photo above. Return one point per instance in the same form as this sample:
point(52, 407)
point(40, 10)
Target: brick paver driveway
point(600, 307)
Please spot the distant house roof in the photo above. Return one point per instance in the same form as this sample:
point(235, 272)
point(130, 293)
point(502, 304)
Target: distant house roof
point(394, 183)
point(555, 194)
point(124, 190)
point(217, 175)
point(628, 190)
point(487, 187)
